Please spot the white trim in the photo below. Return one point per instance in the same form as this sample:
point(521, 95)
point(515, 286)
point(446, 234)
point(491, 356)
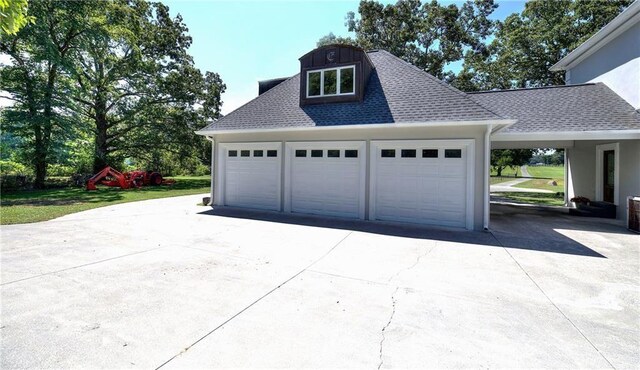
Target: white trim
point(213, 161)
point(222, 155)
point(487, 185)
point(469, 146)
point(600, 149)
point(290, 148)
point(613, 29)
point(390, 125)
point(338, 93)
point(569, 135)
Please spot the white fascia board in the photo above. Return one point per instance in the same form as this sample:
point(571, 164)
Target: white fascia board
point(569, 135)
point(618, 25)
point(501, 123)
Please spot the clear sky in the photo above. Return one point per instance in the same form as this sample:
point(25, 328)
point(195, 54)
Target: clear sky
point(249, 41)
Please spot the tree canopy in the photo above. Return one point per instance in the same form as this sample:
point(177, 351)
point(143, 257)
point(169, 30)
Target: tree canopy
point(116, 75)
point(516, 52)
point(13, 16)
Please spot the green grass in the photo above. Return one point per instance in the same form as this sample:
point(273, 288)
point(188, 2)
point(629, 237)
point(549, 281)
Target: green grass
point(549, 172)
point(550, 199)
point(41, 205)
point(497, 180)
point(542, 184)
point(508, 171)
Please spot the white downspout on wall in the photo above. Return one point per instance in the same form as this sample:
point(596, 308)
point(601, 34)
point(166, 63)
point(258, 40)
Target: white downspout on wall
point(566, 177)
point(213, 151)
point(487, 170)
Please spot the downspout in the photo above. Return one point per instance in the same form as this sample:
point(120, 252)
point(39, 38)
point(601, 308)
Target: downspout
point(487, 170)
point(566, 178)
point(213, 151)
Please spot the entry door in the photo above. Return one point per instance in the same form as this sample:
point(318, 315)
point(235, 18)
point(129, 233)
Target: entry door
point(608, 179)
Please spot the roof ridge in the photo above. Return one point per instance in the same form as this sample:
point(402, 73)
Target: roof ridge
point(444, 84)
point(533, 88)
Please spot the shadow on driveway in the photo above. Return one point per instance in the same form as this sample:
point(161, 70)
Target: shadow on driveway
point(511, 226)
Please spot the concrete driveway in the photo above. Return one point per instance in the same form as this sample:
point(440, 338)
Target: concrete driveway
point(165, 283)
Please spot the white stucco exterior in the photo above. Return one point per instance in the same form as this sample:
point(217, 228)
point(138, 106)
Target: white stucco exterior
point(616, 64)
point(611, 56)
point(583, 173)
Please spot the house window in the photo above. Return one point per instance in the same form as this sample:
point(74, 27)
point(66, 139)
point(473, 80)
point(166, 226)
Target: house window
point(331, 82)
point(316, 153)
point(333, 153)
point(258, 153)
point(233, 153)
point(272, 153)
point(301, 153)
point(245, 153)
point(453, 153)
point(429, 153)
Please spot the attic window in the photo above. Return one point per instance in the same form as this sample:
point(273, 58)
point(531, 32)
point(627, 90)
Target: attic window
point(331, 82)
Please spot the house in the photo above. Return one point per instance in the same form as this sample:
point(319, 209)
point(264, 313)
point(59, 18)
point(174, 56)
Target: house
point(365, 135)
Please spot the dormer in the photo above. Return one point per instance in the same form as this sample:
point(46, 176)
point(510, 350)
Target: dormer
point(334, 74)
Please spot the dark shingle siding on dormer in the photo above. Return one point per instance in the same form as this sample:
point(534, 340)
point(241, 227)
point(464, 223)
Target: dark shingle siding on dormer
point(397, 92)
point(343, 55)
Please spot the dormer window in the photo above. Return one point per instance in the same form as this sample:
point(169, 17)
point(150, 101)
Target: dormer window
point(331, 82)
point(334, 74)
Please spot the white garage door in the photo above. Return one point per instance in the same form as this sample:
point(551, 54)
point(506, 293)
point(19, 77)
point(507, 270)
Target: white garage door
point(251, 175)
point(422, 182)
point(326, 178)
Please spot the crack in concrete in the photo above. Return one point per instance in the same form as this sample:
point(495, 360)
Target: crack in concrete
point(393, 312)
point(256, 301)
point(414, 264)
point(550, 301)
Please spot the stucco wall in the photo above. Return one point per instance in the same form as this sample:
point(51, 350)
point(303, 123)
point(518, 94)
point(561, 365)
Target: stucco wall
point(582, 170)
point(617, 64)
point(397, 133)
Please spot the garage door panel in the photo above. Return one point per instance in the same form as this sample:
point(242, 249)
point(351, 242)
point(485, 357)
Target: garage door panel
point(428, 188)
point(326, 185)
point(252, 181)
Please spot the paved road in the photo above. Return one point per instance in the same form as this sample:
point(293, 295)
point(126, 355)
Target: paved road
point(168, 283)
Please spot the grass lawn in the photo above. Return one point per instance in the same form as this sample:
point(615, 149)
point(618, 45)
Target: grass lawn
point(497, 180)
point(41, 205)
point(508, 171)
point(542, 184)
point(548, 173)
point(550, 199)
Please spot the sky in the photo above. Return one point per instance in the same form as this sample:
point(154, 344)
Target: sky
point(249, 41)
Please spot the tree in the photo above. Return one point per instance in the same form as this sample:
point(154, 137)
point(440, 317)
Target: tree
point(39, 53)
point(526, 45)
point(331, 39)
point(514, 158)
point(137, 85)
point(428, 35)
point(13, 16)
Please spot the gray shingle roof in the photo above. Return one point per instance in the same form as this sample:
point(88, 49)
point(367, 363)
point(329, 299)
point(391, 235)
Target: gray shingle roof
point(586, 107)
point(397, 92)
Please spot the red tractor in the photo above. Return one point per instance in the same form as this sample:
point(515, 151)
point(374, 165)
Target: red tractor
point(126, 180)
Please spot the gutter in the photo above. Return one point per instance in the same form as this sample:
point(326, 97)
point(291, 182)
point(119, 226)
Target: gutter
point(391, 125)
